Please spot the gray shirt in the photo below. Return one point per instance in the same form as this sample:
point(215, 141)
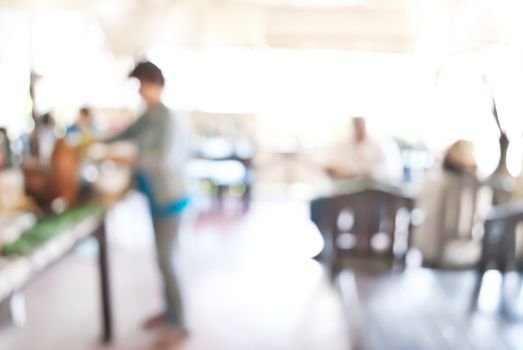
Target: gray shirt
point(163, 150)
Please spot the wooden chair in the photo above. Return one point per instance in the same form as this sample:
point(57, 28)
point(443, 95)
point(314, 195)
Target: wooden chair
point(366, 228)
point(501, 248)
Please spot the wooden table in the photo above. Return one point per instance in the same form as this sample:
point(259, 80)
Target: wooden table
point(17, 272)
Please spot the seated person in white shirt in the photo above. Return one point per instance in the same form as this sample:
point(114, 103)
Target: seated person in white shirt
point(363, 156)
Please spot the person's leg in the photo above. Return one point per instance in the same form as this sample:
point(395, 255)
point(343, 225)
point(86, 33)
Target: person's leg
point(166, 234)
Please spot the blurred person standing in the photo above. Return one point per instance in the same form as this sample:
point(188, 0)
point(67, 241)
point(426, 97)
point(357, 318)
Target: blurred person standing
point(163, 149)
point(5, 149)
point(45, 138)
point(366, 157)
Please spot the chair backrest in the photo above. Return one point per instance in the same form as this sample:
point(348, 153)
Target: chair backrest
point(370, 223)
point(502, 248)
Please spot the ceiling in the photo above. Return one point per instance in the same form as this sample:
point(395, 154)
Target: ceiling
point(444, 26)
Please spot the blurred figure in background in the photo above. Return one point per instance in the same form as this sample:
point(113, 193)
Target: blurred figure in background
point(83, 131)
point(45, 138)
point(452, 204)
point(460, 158)
point(163, 149)
point(5, 149)
point(363, 156)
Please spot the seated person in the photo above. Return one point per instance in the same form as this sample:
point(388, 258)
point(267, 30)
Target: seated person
point(453, 201)
point(364, 156)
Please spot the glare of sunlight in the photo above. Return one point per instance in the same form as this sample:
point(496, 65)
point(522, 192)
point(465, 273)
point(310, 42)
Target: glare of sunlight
point(490, 291)
point(14, 70)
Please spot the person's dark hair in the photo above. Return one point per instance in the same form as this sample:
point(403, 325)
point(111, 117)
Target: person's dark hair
point(85, 111)
point(47, 119)
point(449, 165)
point(148, 72)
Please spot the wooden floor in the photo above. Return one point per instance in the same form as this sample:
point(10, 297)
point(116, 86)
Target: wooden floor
point(249, 283)
point(428, 310)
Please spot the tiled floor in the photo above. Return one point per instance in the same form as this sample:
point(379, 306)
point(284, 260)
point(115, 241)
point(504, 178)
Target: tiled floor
point(248, 282)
